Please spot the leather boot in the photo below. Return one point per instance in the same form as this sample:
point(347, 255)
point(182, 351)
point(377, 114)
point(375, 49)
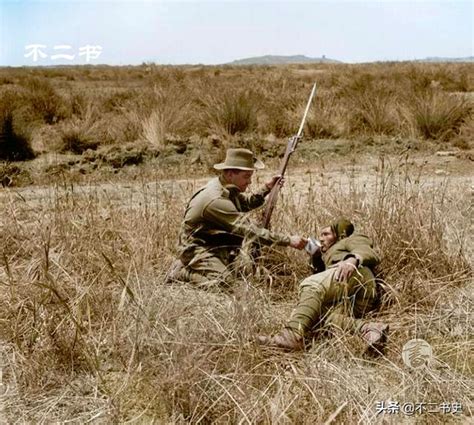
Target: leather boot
point(286, 340)
point(374, 334)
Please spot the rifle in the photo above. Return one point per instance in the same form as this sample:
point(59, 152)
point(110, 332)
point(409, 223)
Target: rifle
point(290, 148)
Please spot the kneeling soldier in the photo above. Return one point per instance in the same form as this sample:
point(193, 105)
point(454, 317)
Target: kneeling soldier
point(341, 292)
point(215, 225)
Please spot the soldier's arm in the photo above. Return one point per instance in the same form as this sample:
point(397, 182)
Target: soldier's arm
point(223, 213)
point(254, 200)
point(360, 247)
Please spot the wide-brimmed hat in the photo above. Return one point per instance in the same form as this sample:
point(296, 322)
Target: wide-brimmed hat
point(240, 159)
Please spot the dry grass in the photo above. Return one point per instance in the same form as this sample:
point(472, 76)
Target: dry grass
point(230, 113)
point(438, 117)
point(153, 103)
point(91, 334)
point(88, 330)
point(169, 116)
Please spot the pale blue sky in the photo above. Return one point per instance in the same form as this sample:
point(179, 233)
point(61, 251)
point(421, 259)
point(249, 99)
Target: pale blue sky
point(177, 32)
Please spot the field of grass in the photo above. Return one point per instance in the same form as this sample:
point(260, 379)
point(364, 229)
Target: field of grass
point(89, 332)
point(119, 116)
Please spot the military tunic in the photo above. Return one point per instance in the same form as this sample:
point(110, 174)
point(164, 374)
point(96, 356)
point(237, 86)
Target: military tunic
point(213, 229)
point(323, 300)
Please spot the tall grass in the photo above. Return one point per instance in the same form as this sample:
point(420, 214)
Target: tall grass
point(155, 103)
point(79, 134)
point(91, 333)
point(44, 100)
point(230, 113)
point(440, 117)
point(169, 117)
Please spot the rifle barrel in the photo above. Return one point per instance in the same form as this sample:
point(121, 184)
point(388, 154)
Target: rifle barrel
point(284, 163)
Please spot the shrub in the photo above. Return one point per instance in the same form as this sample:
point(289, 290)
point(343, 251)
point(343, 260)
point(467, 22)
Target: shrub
point(117, 100)
point(79, 103)
point(371, 105)
point(13, 145)
point(276, 120)
point(44, 100)
point(373, 113)
point(439, 116)
point(169, 116)
point(76, 139)
point(79, 135)
point(326, 119)
point(230, 112)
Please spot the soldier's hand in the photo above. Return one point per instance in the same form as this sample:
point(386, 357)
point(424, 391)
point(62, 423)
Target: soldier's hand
point(274, 180)
point(298, 242)
point(345, 269)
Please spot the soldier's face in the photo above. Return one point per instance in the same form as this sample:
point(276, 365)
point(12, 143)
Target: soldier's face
point(327, 238)
point(242, 179)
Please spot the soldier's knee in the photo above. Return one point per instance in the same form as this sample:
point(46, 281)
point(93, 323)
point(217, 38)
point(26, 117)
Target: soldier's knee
point(338, 320)
point(311, 283)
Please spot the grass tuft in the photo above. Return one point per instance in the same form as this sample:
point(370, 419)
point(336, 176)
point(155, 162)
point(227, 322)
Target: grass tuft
point(440, 116)
point(230, 113)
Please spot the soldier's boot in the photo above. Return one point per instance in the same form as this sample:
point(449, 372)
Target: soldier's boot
point(286, 340)
point(374, 334)
point(174, 271)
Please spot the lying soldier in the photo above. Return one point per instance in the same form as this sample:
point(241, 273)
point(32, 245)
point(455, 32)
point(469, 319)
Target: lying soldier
point(215, 223)
point(341, 292)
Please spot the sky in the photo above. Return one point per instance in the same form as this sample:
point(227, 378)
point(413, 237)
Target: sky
point(190, 32)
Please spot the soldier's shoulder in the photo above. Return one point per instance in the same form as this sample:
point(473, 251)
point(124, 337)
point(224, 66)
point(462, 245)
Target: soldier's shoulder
point(358, 237)
point(214, 190)
point(213, 194)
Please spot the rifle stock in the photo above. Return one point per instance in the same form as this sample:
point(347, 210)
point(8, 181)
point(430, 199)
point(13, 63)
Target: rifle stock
point(290, 148)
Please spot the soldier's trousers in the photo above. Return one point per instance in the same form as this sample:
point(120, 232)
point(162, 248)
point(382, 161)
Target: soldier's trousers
point(325, 302)
point(210, 269)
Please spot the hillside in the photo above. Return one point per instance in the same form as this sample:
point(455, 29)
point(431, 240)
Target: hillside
point(439, 59)
point(281, 60)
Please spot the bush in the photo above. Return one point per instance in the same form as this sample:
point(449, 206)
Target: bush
point(76, 140)
point(13, 145)
point(326, 119)
point(438, 115)
point(373, 113)
point(231, 112)
point(44, 100)
point(370, 103)
point(169, 116)
point(78, 135)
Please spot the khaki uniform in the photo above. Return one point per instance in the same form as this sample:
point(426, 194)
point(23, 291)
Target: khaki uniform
point(325, 301)
point(213, 230)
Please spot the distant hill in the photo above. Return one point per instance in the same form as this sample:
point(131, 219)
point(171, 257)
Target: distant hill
point(281, 60)
point(296, 59)
point(437, 59)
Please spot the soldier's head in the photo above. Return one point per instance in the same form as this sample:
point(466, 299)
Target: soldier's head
point(240, 178)
point(238, 167)
point(329, 235)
